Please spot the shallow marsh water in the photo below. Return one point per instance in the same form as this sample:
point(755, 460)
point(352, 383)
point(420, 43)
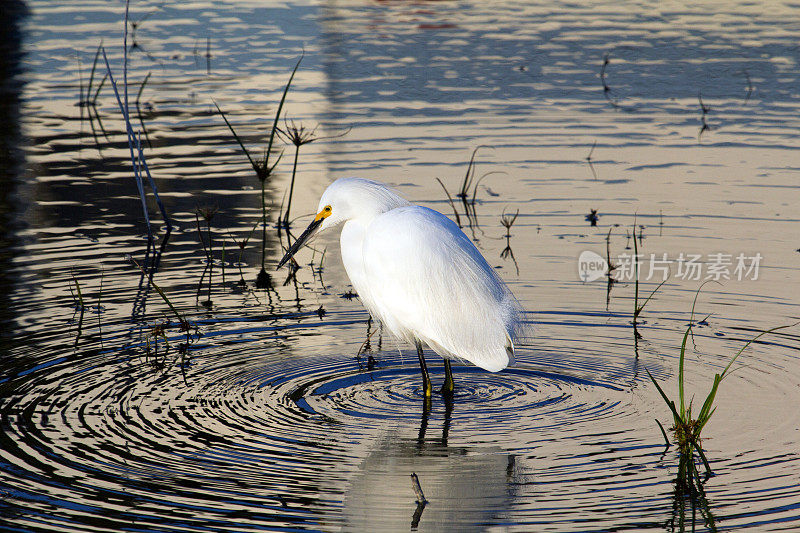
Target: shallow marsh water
point(268, 421)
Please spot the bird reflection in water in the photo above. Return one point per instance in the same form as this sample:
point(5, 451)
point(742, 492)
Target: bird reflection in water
point(464, 486)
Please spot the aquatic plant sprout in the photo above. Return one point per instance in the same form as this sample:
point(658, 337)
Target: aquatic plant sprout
point(262, 168)
point(686, 429)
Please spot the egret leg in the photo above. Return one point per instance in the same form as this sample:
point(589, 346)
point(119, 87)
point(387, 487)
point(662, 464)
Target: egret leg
point(425, 377)
point(447, 386)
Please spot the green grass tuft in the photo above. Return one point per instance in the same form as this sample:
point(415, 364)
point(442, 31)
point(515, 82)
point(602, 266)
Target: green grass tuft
point(687, 428)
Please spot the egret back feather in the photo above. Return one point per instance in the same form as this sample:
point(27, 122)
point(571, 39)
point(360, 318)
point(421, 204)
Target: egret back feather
point(428, 281)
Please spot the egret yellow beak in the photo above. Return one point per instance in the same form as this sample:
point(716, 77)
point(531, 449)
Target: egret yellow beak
point(309, 232)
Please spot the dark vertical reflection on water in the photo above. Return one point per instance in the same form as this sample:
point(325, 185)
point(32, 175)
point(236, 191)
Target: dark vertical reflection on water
point(11, 163)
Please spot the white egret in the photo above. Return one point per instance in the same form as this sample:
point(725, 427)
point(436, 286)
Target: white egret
point(416, 272)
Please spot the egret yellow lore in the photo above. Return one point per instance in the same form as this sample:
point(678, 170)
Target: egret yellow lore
point(415, 271)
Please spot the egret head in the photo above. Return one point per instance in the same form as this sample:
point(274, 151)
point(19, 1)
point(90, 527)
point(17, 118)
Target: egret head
point(346, 199)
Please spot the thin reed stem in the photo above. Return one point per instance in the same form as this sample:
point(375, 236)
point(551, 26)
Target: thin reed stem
point(291, 187)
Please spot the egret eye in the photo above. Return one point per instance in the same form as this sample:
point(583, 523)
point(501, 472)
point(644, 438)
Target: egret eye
point(327, 209)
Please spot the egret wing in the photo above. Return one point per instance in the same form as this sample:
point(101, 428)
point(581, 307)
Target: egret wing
point(428, 281)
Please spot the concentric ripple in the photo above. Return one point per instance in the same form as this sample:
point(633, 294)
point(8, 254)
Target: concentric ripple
point(236, 435)
point(233, 438)
point(526, 398)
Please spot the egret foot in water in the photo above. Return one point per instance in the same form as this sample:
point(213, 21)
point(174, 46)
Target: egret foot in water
point(447, 386)
point(426, 379)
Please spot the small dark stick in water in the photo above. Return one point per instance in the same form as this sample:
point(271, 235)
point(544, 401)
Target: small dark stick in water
point(417, 489)
point(589, 160)
point(421, 502)
point(705, 110)
point(507, 221)
point(606, 88)
point(606, 61)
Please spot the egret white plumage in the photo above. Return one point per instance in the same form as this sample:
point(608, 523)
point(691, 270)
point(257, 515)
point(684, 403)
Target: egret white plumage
point(420, 275)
